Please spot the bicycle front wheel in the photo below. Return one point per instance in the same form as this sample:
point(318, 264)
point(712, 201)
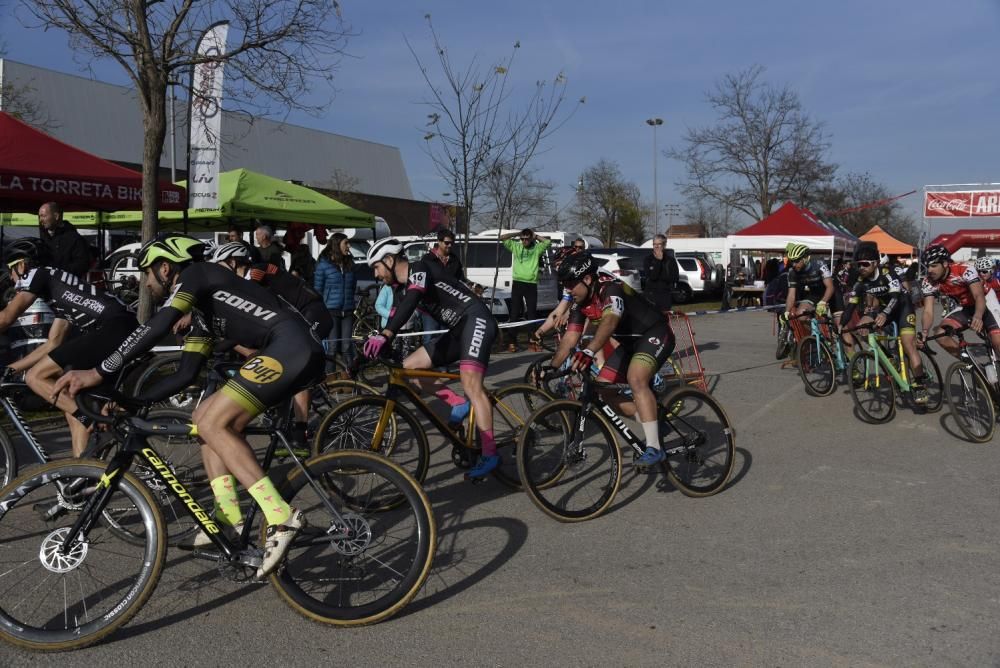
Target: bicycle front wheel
point(698, 442)
point(8, 459)
point(512, 405)
point(816, 367)
point(569, 464)
point(873, 390)
point(54, 599)
point(785, 342)
point(970, 401)
point(933, 384)
point(368, 563)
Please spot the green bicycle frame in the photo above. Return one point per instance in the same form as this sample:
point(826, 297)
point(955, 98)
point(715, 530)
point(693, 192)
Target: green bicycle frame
point(901, 376)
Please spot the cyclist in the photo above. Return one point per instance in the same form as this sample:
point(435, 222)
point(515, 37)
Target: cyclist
point(559, 316)
point(289, 358)
point(103, 320)
point(883, 301)
point(809, 281)
point(236, 256)
point(641, 330)
point(963, 302)
point(984, 269)
point(472, 330)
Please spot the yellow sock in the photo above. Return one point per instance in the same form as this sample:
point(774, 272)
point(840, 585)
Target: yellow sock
point(227, 502)
point(275, 509)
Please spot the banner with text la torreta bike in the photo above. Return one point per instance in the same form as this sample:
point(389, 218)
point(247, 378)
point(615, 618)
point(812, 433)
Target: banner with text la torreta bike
point(962, 204)
point(206, 119)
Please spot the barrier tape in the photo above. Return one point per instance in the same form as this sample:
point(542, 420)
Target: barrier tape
point(506, 325)
point(738, 309)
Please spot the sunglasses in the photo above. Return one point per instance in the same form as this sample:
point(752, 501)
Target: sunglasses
point(985, 271)
point(570, 284)
point(866, 263)
point(579, 247)
point(447, 243)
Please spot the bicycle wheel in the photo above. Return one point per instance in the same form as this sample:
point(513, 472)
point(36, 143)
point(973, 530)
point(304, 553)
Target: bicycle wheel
point(970, 401)
point(8, 459)
point(160, 368)
point(785, 342)
point(698, 441)
point(571, 476)
point(816, 367)
point(934, 383)
point(511, 407)
point(874, 394)
point(50, 600)
point(371, 574)
point(352, 424)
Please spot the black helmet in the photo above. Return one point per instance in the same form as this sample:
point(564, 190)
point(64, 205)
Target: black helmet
point(576, 266)
point(867, 252)
point(935, 253)
point(29, 249)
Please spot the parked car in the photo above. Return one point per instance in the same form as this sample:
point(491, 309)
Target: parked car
point(621, 266)
point(701, 276)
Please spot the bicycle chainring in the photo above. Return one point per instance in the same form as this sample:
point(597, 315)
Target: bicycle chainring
point(243, 569)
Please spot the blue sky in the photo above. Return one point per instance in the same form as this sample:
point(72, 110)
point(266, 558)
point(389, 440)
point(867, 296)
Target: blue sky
point(908, 91)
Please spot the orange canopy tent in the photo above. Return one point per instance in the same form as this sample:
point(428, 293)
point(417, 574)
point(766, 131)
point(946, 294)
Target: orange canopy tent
point(887, 244)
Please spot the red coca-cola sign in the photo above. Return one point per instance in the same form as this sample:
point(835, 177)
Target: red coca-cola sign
point(965, 204)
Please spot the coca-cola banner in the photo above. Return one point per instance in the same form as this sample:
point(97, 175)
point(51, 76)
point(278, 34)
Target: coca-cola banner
point(964, 204)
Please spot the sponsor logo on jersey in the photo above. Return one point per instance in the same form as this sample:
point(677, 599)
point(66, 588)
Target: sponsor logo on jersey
point(82, 301)
point(655, 341)
point(453, 291)
point(477, 337)
point(262, 370)
point(244, 305)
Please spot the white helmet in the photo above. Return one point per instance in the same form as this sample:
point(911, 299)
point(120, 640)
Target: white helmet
point(233, 250)
point(984, 264)
point(383, 248)
point(883, 259)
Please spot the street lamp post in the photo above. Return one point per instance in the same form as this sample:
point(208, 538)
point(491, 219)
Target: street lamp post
point(656, 199)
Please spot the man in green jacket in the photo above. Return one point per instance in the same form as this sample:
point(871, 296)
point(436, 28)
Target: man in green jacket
point(524, 289)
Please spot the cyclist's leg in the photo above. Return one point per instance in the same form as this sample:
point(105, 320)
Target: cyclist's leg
point(649, 354)
point(41, 378)
point(992, 329)
point(957, 320)
point(906, 322)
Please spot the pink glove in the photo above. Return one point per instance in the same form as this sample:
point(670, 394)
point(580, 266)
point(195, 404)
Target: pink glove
point(374, 345)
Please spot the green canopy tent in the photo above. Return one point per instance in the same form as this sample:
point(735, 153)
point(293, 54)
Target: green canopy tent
point(243, 196)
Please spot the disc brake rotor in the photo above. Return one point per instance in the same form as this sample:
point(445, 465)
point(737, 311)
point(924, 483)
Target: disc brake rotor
point(52, 557)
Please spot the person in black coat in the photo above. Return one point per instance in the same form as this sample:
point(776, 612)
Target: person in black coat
point(64, 247)
point(661, 274)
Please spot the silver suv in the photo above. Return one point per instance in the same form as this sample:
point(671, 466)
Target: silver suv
point(697, 275)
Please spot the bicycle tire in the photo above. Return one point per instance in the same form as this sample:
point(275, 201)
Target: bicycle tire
point(23, 526)
point(869, 391)
point(509, 419)
point(816, 367)
point(970, 401)
point(8, 459)
point(548, 470)
point(351, 426)
point(934, 384)
point(406, 564)
point(700, 450)
point(168, 364)
point(785, 342)
point(342, 390)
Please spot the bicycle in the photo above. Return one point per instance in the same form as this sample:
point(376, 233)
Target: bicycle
point(972, 396)
point(570, 464)
point(83, 584)
point(383, 424)
point(874, 375)
point(821, 358)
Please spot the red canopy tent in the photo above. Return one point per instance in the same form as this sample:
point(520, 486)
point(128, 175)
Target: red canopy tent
point(791, 223)
point(36, 168)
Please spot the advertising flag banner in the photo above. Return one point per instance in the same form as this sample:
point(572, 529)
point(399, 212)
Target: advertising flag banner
point(962, 204)
point(206, 120)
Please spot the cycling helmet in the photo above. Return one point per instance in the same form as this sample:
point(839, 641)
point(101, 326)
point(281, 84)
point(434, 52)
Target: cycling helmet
point(867, 253)
point(23, 249)
point(796, 252)
point(984, 264)
point(577, 266)
point(382, 249)
point(233, 250)
point(935, 253)
point(172, 248)
point(562, 254)
point(883, 260)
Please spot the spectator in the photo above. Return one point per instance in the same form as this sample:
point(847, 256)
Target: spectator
point(524, 288)
point(383, 304)
point(303, 264)
point(235, 234)
point(270, 250)
point(64, 246)
point(441, 254)
point(661, 274)
point(579, 244)
point(335, 282)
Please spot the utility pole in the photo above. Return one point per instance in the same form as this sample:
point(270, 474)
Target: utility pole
point(654, 122)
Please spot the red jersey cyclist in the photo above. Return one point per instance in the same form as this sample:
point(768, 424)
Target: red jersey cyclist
point(640, 328)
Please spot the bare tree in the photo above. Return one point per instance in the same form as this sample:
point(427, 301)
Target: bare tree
point(608, 206)
point(277, 48)
point(763, 149)
point(18, 99)
point(475, 133)
point(859, 202)
point(716, 219)
point(344, 187)
point(529, 202)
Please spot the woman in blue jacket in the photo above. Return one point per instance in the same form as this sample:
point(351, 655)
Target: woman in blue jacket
point(335, 281)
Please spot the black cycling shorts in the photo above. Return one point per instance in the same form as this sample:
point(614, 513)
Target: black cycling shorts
point(963, 318)
point(291, 360)
point(93, 346)
point(902, 315)
point(652, 347)
point(469, 342)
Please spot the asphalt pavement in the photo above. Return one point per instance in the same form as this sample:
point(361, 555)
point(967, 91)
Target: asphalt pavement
point(835, 543)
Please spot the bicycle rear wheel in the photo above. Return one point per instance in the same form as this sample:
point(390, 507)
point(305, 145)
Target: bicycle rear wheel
point(8, 459)
point(970, 401)
point(512, 405)
point(571, 475)
point(816, 367)
point(874, 394)
point(371, 574)
point(786, 341)
point(51, 600)
point(698, 442)
point(934, 383)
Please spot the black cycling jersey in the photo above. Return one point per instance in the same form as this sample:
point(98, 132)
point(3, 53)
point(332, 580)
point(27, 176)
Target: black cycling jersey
point(234, 309)
point(441, 295)
point(808, 283)
point(637, 314)
point(71, 299)
point(878, 293)
point(287, 286)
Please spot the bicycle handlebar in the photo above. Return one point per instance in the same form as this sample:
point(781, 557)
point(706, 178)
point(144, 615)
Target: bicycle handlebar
point(85, 399)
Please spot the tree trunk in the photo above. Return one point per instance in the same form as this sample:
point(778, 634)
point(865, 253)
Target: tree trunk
point(155, 129)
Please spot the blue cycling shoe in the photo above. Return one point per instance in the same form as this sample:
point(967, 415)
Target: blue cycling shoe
point(484, 466)
point(459, 413)
point(650, 457)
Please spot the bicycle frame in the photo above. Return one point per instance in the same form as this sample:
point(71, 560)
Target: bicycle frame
point(839, 358)
point(17, 419)
point(901, 375)
point(967, 357)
